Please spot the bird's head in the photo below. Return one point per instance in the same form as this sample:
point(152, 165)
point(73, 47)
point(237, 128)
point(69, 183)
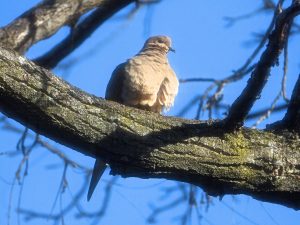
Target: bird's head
point(161, 43)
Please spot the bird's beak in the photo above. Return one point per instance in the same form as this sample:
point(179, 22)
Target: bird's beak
point(171, 49)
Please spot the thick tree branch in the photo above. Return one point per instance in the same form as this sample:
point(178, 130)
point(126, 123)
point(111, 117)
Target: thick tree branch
point(44, 20)
point(242, 105)
point(143, 144)
point(81, 32)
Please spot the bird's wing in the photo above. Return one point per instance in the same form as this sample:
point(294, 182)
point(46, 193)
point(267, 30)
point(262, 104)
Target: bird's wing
point(168, 90)
point(98, 170)
point(115, 84)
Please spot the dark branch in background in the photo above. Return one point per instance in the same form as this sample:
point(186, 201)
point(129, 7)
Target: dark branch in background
point(43, 21)
point(81, 32)
point(242, 105)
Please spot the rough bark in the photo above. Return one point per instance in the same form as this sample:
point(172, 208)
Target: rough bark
point(143, 144)
point(45, 19)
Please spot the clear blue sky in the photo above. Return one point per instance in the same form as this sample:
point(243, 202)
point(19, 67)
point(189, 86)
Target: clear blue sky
point(205, 47)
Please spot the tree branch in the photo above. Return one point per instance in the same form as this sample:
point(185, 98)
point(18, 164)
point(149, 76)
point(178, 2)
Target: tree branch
point(144, 144)
point(81, 32)
point(242, 105)
point(44, 20)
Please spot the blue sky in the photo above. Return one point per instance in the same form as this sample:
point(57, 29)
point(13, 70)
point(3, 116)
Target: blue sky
point(205, 47)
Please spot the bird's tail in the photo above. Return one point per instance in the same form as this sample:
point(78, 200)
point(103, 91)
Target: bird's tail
point(98, 170)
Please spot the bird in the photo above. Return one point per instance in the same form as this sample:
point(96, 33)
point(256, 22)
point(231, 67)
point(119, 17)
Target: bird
point(145, 81)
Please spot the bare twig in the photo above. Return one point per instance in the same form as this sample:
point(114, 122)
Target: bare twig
point(61, 189)
point(268, 112)
point(61, 155)
point(262, 112)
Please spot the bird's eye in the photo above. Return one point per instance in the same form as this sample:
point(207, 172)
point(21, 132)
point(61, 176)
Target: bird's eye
point(160, 41)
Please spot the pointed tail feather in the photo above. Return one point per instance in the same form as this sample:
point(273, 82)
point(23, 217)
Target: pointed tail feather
point(98, 170)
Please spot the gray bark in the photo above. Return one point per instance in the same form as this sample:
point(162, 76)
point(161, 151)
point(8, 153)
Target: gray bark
point(46, 19)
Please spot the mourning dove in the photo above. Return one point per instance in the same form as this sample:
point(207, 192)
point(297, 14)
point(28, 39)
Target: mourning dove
point(145, 81)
